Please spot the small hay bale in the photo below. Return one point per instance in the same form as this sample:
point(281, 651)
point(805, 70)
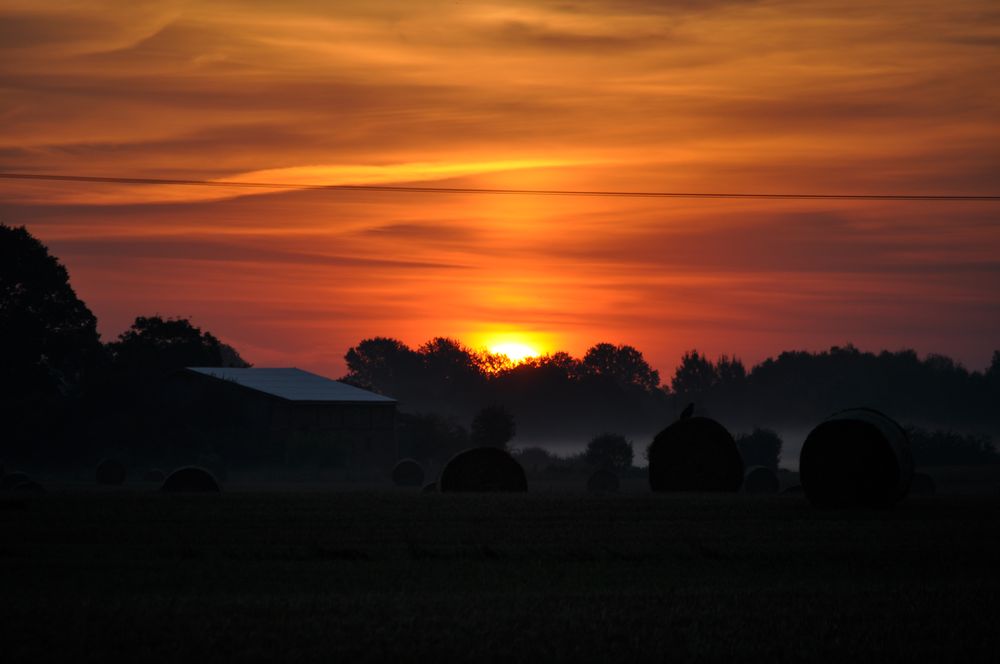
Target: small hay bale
point(28, 486)
point(695, 454)
point(153, 475)
point(603, 481)
point(191, 479)
point(111, 472)
point(8, 482)
point(408, 472)
point(761, 479)
point(483, 469)
point(794, 490)
point(430, 488)
point(923, 485)
point(856, 458)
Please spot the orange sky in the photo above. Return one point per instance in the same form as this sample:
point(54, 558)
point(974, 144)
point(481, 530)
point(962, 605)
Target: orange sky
point(805, 96)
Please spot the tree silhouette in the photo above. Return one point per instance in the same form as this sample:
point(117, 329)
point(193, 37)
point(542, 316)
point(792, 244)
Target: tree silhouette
point(623, 364)
point(50, 336)
point(155, 346)
point(762, 447)
point(694, 376)
point(493, 426)
point(50, 351)
point(382, 364)
point(609, 450)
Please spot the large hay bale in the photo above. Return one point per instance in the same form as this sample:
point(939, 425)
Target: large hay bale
point(856, 458)
point(111, 471)
point(9, 481)
point(761, 479)
point(923, 485)
point(603, 481)
point(695, 454)
point(483, 469)
point(191, 479)
point(408, 472)
point(153, 475)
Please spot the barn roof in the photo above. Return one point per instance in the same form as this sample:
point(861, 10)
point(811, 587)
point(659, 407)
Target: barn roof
point(293, 385)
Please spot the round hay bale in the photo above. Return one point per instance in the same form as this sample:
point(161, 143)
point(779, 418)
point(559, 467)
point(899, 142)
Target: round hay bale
point(695, 454)
point(111, 471)
point(430, 488)
point(191, 479)
point(603, 481)
point(856, 458)
point(923, 485)
point(483, 469)
point(761, 479)
point(408, 472)
point(28, 486)
point(153, 475)
point(794, 490)
point(9, 481)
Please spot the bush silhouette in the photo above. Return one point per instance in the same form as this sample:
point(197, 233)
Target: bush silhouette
point(603, 481)
point(760, 479)
point(408, 472)
point(191, 479)
point(609, 450)
point(483, 469)
point(856, 458)
point(111, 472)
point(695, 454)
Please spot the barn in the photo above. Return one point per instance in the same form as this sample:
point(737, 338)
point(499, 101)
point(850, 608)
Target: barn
point(287, 416)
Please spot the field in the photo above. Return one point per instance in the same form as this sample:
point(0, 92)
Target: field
point(391, 575)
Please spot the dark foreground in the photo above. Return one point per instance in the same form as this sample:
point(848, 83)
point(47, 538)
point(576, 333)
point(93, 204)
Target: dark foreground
point(133, 576)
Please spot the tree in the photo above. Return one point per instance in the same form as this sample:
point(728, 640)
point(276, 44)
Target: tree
point(50, 336)
point(695, 375)
point(382, 364)
point(493, 426)
point(50, 351)
point(623, 364)
point(155, 346)
point(762, 447)
point(609, 450)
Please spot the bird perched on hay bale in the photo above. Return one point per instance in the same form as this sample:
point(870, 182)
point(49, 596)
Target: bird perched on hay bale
point(191, 479)
point(695, 454)
point(483, 469)
point(923, 485)
point(603, 481)
point(408, 472)
point(111, 472)
point(856, 458)
point(761, 479)
point(9, 481)
point(687, 412)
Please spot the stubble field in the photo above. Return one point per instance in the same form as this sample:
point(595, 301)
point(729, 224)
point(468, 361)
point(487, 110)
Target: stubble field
point(135, 575)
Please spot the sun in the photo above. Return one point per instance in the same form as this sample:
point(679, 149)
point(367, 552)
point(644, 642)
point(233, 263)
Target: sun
point(515, 351)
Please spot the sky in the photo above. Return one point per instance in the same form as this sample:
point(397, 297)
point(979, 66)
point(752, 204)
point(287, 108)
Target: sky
point(805, 96)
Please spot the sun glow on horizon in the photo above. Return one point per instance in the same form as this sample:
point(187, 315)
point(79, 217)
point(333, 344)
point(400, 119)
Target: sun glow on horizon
point(514, 351)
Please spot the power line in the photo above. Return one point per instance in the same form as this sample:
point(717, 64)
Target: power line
point(475, 190)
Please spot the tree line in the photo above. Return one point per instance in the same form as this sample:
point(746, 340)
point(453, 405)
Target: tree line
point(65, 396)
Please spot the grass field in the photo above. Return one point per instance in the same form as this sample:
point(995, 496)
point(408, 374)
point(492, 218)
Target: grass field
point(389, 575)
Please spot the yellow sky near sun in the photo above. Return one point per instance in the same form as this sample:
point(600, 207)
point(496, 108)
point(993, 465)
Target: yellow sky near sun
point(811, 96)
